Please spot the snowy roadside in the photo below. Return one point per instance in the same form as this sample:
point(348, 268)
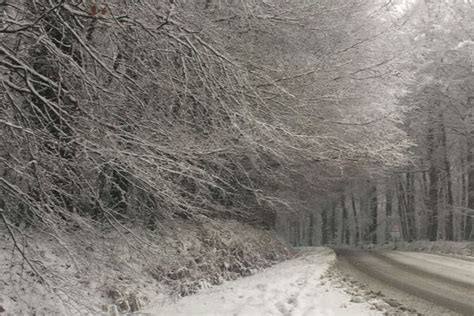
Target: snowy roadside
point(295, 287)
point(110, 272)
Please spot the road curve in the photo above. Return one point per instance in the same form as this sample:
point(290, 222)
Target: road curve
point(444, 281)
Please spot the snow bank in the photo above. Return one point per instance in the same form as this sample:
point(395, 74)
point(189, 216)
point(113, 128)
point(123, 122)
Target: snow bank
point(107, 272)
point(294, 287)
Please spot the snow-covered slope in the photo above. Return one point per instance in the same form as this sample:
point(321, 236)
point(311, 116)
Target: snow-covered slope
point(112, 272)
point(295, 287)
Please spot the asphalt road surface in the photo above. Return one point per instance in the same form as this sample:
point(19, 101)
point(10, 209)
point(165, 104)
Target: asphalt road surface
point(432, 284)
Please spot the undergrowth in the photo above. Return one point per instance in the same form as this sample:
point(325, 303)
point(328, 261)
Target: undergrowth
point(124, 271)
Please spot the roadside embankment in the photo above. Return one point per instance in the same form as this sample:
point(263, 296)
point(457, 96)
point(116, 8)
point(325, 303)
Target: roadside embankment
point(121, 270)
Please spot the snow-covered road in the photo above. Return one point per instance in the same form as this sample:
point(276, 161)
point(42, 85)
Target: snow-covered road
point(456, 269)
point(294, 287)
point(426, 282)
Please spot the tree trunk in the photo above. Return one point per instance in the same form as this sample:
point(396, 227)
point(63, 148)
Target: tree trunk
point(403, 206)
point(411, 208)
point(345, 222)
point(468, 235)
point(449, 190)
point(356, 220)
point(373, 215)
point(464, 178)
point(340, 224)
point(325, 226)
point(433, 188)
point(381, 212)
point(389, 211)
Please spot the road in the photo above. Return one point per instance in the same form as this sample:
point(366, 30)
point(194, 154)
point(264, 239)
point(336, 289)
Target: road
point(432, 284)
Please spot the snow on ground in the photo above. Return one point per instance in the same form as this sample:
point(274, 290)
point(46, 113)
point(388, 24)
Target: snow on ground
point(100, 271)
point(295, 287)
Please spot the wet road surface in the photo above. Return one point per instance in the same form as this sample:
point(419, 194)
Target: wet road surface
point(443, 281)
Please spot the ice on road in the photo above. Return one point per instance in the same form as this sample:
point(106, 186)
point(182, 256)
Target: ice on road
point(291, 288)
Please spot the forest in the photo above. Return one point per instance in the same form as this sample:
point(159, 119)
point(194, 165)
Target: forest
point(430, 196)
point(352, 115)
point(328, 121)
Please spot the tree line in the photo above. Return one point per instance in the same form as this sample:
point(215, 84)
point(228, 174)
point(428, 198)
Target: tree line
point(432, 197)
point(122, 113)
